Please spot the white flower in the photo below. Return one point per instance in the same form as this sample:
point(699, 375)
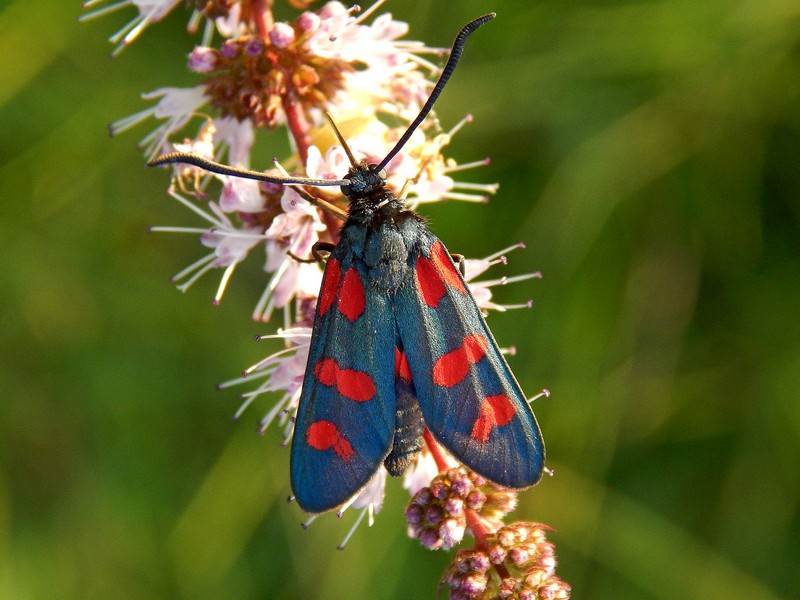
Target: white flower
point(391, 81)
point(176, 106)
point(419, 167)
point(150, 11)
point(480, 290)
point(290, 237)
point(333, 165)
point(238, 137)
point(241, 195)
point(369, 500)
point(281, 371)
point(434, 181)
point(421, 472)
point(231, 245)
point(231, 25)
point(372, 494)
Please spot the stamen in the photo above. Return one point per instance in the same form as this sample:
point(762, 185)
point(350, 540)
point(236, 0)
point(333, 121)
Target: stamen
point(369, 11)
point(266, 361)
point(167, 229)
point(470, 165)
point(289, 431)
point(197, 210)
point(504, 307)
point(248, 400)
point(544, 393)
point(419, 48)
point(100, 11)
point(512, 279)
point(194, 21)
point(465, 197)
point(425, 63)
point(205, 269)
point(187, 284)
point(500, 253)
point(489, 188)
point(226, 276)
point(282, 335)
point(345, 506)
point(457, 127)
point(248, 379)
point(311, 519)
point(208, 33)
point(143, 22)
point(122, 32)
point(126, 123)
point(264, 307)
point(353, 528)
point(264, 423)
point(156, 140)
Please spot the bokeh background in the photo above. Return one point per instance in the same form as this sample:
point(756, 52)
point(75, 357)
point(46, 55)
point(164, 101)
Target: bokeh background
point(649, 156)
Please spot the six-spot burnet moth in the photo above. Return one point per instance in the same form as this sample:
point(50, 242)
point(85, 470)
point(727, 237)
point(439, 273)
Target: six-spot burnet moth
point(398, 345)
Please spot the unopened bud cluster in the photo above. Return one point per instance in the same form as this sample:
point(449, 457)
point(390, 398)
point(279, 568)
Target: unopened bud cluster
point(253, 75)
point(437, 517)
point(522, 554)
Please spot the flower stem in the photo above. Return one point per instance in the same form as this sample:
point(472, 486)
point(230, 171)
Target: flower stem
point(298, 124)
point(261, 13)
point(436, 451)
point(481, 533)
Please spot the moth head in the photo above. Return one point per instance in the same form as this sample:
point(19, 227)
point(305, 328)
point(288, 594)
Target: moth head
point(364, 180)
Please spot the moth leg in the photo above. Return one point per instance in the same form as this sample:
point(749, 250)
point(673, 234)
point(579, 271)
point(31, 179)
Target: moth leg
point(320, 247)
point(302, 260)
point(461, 263)
point(320, 203)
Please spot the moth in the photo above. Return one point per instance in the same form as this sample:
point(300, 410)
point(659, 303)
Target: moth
point(398, 345)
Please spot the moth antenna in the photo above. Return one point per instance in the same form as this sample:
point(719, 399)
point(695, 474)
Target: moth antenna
point(455, 55)
point(318, 202)
point(339, 137)
point(215, 167)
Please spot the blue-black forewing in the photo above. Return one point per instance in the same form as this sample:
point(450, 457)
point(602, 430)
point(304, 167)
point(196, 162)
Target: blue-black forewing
point(470, 400)
point(343, 431)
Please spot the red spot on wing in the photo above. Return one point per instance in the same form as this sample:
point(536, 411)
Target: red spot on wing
point(325, 371)
point(441, 258)
point(351, 297)
point(324, 435)
point(352, 384)
point(355, 385)
point(402, 371)
point(429, 282)
point(496, 411)
point(328, 293)
point(475, 347)
point(451, 368)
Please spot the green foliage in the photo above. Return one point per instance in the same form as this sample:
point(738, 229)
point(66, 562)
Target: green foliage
point(648, 154)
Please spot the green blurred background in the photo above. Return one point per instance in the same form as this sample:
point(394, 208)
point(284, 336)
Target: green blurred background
point(648, 154)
